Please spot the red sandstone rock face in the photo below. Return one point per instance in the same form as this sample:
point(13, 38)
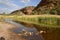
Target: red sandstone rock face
point(43, 2)
point(47, 2)
point(26, 10)
point(46, 5)
point(42, 6)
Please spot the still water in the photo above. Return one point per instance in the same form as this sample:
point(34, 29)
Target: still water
point(21, 28)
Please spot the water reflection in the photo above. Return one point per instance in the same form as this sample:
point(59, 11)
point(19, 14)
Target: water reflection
point(29, 33)
point(20, 27)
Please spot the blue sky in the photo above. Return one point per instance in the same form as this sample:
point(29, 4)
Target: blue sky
point(11, 5)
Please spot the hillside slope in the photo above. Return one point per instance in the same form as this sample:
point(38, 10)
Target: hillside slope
point(48, 7)
point(27, 11)
point(44, 7)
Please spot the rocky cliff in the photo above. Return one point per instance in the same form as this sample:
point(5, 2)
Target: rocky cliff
point(48, 7)
point(44, 7)
point(26, 10)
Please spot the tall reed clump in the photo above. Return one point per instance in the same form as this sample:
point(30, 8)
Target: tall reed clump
point(51, 21)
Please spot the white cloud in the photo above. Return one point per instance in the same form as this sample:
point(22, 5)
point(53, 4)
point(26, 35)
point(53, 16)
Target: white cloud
point(3, 10)
point(25, 1)
point(10, 5)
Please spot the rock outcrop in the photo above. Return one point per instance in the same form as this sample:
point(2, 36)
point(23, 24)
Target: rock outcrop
point(26, 10)
point(46, 7)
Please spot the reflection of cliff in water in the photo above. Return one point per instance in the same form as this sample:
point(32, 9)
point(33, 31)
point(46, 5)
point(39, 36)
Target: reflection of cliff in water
point(47, 33)
point(21, 32)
